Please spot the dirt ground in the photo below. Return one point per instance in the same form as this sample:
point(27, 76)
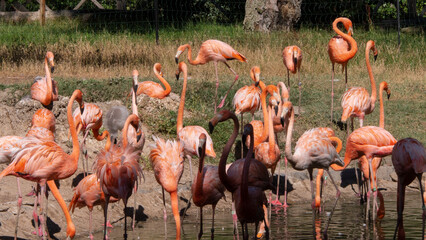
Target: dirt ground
point(16, 119)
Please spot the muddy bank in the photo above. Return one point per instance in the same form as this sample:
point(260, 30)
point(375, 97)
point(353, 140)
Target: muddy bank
point(15, 119)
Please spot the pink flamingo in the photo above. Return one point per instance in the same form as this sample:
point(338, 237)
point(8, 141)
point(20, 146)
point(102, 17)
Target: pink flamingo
point(292, 58)
point(341, 49)
point(45, 90)
point(150, 88)
point(43, 161)
point(216, 51)
point(118, 171)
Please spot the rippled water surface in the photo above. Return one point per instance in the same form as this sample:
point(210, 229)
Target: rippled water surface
point(348, 222)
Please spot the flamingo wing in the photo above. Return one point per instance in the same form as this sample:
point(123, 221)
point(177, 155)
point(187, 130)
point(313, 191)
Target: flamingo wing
point(246, 99)
point(355, 102)
point(215, 50)
point(152, 89)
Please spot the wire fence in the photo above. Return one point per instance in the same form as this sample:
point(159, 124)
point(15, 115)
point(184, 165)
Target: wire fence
point(147, 15)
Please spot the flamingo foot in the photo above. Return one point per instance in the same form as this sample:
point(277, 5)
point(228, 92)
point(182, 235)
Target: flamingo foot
point(39, 232)
point(32, 193)
point(91, 237)
point(222, 103)
point(260, 234)
point(276, 203)
point(108, 224)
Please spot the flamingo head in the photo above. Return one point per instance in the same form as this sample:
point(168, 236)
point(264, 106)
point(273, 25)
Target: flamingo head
point(134, 120)
point(202, 144)
point(180, 51)
point(157, 69)
point(273, 102)
point(287, 108)
point(219, 117)
point(255, 75)
point(78, 96)
point(295, 55)
point(247, 131)
point(385, 87)
point(181, 68)
point(135, 75)
point(44, 118)
point(49, 57)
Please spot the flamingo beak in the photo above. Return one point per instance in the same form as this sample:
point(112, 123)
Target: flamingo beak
point(52, 69)
point(177, 76)
point(389, 94)
point(350, 31)
point(176, 60)
point(276, 109)
point(200, 151)
point(211, 127)
point(244, 138)
point(282, 121)
point(256, 84)
point(375, 57)
point(295, 61)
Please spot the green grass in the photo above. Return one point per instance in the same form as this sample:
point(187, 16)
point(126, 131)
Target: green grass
point(100, 62)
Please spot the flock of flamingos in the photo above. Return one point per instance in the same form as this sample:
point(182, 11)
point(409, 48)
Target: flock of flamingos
point(116, 171)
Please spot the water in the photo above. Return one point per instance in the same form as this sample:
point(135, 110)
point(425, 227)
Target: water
point(348, 222)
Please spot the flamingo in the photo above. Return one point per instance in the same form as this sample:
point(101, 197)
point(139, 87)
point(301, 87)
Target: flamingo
point(188, 135)
point(372, 142)
point(43, 161)
point(356, 101)
point(315, 151)
point(42, 127)
point(88, 117)
point(216, 51)
point(167, 161)
point(118, 171)
point(409, 161)
point(341, 49)
point(247, 98)
point(261, 130)
point(150, 88)
point(207, 189)
point(135, 136)
point(292, 58)
point(250, 200)
point(231, 178)
point(45, 89)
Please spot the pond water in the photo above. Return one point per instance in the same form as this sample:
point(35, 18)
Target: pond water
point(348, 222)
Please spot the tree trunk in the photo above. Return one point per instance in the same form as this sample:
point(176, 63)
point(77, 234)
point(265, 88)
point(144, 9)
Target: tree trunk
point(412, 13)
point(269, 15)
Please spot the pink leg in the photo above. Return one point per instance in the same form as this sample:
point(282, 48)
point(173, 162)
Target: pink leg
point(165, 215)
point(277, 201)
point(285, 205)
point(19, 207)
point(35, 216)
point(90, 225)
point(332, 90)
point(134, 206)
point(235, 221)
point(217, 85)
point(43, 204)
point(235, 80)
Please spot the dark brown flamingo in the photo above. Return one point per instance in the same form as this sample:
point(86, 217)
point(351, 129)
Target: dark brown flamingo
point(207, 189)
point(409, 161)
point(258, 174)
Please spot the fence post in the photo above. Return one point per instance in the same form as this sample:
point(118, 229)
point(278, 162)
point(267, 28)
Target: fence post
point(156, 20)
point(399, 23)
point(42, 12)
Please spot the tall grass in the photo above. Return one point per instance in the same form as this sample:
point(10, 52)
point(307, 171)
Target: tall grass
point(101, 62)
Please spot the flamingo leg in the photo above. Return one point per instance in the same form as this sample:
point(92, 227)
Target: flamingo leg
point(217, 85)
point(190, 167)
point(313, 198)
point(400, 209)
point(86, 156)
point(35, 216)
point(277, 200)
point(346, 77)
point(332, 90)
point(288, 80)
point(357, 180)
point(419, 177)
point(19, 207)
point(335, 203)
point(374, 190)
point(300, 93)
point(285, 184)
point(106, 216)
point(200, 233)
point(368, 200)
point(134, 207)
point(212, 230)
point(227, 92)
point(234, 219)
point(90, 224)
point(165, 215)
point(125, 221)
point(43, 204)
point(175, 209)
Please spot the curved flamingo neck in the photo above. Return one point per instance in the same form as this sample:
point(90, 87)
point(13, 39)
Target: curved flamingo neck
point(102, 137)
point(179, 122)
point(132, 119)
point(224, 157)
point(48, 81)
point(75, 145)
point(245, 174)
point(339, 143)
point(271, 153)
point(192, 62)
point(370, 74)
point(284, 92)
point(352, 43)
point(164, 82)
point(265, 132)
point(288, 153)
point(347, 160)
point(200, 176)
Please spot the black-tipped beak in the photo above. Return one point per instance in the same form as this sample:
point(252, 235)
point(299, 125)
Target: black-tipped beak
point(244, 138)
point(82, 110)
point(135, 88)
point(282, 121)
point(295, 61)
point(389, 95)
point(200, 150)
point(115, 141)
point(176, 60)
point(375, 57)
point(256, 84)
point(276, 110)
point(138, 137)
point(52, 69)
point(177, 76)
point(211, 127)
